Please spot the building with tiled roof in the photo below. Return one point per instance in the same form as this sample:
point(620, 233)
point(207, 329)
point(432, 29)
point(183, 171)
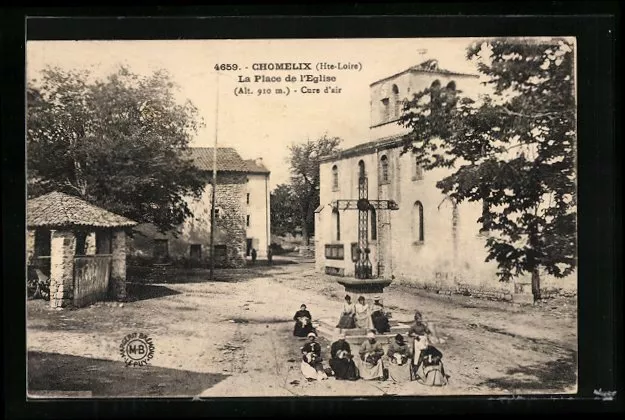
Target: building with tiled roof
point(79, 247)
point(241, 214)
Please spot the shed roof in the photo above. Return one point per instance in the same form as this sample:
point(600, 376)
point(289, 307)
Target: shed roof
point(57, 209)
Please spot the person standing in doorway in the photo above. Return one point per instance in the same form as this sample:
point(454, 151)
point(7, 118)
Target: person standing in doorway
point(254, 255)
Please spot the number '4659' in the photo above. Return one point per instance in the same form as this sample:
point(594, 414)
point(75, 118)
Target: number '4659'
point(224, 67)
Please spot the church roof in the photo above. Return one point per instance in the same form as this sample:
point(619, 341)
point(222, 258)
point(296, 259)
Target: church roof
point(428, 66)
point(366, 148)
point(228, 160)
point(57, 209)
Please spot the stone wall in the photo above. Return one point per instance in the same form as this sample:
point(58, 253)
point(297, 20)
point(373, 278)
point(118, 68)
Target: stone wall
point(230, 197)
point(307, 251)
point(118, 266)
point(63, 245)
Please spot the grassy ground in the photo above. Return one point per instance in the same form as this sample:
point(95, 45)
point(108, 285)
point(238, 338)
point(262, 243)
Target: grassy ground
point(233, 337)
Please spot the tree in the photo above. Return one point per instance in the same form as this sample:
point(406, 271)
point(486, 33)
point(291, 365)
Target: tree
point(118, 143)
point(284, 210)
point(304, 163)
point(512, 149)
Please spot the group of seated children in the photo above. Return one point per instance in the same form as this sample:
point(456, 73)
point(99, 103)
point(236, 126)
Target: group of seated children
point(416, 359)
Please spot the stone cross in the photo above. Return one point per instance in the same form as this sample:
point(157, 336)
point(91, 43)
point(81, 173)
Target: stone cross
point(363, 268)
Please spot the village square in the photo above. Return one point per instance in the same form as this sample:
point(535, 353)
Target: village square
point(431, 254)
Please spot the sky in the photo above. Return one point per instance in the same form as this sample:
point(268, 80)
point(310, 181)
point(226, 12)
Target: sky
point(261, 126)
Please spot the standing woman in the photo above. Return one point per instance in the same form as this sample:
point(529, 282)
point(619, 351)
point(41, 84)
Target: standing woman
point(363, 315)
point(303, 322)
point(347, 322)
point(420, 328)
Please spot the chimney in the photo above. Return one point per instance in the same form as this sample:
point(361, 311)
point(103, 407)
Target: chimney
point(259, 161)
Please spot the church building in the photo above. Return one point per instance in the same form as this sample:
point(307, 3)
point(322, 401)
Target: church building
point(410, 231)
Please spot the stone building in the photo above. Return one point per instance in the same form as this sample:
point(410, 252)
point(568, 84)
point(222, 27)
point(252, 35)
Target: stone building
point(81, 248)
point(239, 185)
point(426, 239)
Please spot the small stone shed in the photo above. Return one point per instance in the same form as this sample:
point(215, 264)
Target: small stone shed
point(79, 246)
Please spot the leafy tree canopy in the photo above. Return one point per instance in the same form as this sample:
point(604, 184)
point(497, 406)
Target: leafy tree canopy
point(285, 212)
point(304, 163)
point(512, 149)
point(116, 142)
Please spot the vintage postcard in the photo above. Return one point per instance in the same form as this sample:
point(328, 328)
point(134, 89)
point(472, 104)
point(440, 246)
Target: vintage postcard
point(301, 217)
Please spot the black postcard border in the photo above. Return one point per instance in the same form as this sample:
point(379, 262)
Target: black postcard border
point(600, 269)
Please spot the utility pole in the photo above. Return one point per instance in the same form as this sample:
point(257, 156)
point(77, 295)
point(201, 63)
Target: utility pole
point(212, 241)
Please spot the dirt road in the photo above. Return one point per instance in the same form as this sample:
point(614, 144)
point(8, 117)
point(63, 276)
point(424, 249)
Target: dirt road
point(233, 338)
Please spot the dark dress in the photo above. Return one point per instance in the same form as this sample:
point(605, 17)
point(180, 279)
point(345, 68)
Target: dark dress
point(315, 349)
point(347, 320)
point(302, 330)
point(311, 358)
point(380, 320)
point(429, 369)
point(344, 368)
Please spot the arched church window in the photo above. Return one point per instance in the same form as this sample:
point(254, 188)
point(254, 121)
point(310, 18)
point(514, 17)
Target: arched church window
point(374, 224)
point(385, 109)
point(435, 91)
point(337, 224)
point(396, 102)
point(418, 227)
point(361, 169)
point(418, 170)
point(335, 178)
point(384, 169)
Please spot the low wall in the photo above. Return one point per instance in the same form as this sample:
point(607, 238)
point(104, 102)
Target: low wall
point(449, 283)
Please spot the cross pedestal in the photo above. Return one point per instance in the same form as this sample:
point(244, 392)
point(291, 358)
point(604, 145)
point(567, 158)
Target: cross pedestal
point(369, 288)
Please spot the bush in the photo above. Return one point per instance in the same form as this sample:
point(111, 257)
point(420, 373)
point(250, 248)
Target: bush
point(139, 260)
point(277, 249)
